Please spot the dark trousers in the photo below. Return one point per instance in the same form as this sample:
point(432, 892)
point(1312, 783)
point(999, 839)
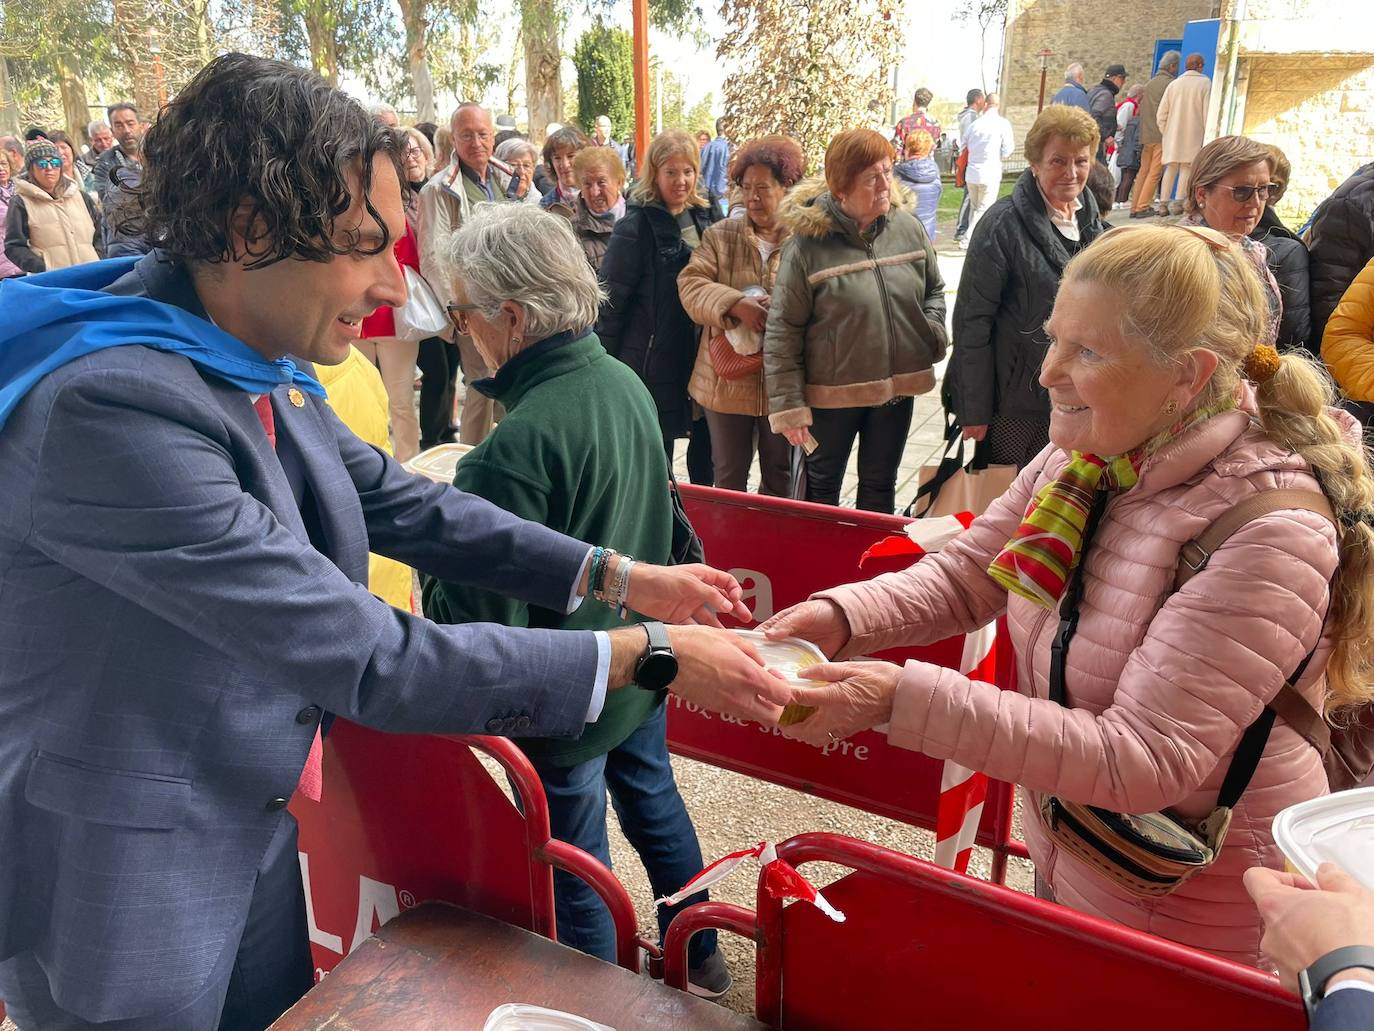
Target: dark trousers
point(965, 211)
point(439, 363)
point(251, 986)
point(1123, 191)
point(639, 777)
point(734, 439)
point(699, 467)
point(882, 434)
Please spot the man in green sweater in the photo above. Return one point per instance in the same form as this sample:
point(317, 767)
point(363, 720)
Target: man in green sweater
point(579, 451)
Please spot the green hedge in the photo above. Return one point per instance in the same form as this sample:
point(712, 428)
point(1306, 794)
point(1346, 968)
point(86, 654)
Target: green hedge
point(604, 58)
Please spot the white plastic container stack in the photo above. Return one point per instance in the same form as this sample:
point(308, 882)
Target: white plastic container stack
point(1336, 828)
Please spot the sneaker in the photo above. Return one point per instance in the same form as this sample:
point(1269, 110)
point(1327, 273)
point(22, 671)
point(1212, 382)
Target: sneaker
point(711, 979)
point(1176, 207)
point(1143, 213)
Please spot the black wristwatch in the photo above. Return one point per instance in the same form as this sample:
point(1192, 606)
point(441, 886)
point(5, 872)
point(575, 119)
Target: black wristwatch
point(658, 666)
point(1312, 981)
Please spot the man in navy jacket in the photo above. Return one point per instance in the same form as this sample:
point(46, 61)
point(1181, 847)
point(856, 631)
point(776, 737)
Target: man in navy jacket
point(184, 529)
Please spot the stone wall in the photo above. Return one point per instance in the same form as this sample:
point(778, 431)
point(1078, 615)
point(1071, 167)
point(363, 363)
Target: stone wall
point(1089, 32)
point(1320, 110)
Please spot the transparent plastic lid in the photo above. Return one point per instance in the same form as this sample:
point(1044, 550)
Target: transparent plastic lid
point(1336, 828)
point(438, 463)
point(789, 656)
point(518, 1016)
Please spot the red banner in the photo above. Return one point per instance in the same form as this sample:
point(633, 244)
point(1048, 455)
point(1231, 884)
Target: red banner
point(781, 552)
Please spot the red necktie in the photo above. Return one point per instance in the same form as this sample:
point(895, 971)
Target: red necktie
point(312, 777)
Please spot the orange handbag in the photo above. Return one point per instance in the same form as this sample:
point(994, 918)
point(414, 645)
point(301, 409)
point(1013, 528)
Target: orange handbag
point(729, 363)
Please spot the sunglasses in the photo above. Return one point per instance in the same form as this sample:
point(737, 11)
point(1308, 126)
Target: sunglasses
point(458, 315)
point(49, 162)
point(1242, 194)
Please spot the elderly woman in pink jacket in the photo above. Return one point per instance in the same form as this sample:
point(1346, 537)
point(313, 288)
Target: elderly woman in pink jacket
point(1164, 420)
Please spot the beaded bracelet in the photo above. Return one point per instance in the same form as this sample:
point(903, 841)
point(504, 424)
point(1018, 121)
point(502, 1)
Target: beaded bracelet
point(601, 563)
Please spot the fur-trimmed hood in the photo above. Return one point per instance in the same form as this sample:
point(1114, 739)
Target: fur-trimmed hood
point(810, 210)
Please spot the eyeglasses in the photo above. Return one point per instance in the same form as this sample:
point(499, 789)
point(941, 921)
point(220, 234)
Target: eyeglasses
point(458, 315)
point(49, 162)
point(1242, 194)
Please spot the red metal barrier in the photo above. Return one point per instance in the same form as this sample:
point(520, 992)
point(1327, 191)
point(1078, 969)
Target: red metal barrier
point(920, 945)
point(408, 818)
point(783, 551)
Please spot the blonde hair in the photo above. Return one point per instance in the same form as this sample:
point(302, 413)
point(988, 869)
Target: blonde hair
point(1074, 124)
point(1186, 290)
point(1219, 159)
point(672, 143)
point(604, 158)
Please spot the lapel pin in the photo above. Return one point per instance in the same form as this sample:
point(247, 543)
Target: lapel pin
point(296, 398)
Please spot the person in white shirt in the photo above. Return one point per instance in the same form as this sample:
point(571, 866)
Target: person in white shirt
point(989, 143)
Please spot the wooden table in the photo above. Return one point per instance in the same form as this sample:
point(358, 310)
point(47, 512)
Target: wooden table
point(442, 968)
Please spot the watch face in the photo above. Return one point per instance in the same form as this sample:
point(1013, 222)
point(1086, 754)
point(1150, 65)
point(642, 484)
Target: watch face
point(656, 670)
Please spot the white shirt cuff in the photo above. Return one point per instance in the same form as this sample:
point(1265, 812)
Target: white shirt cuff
point(603, 674)
point(575, 599)
point(1349, 982)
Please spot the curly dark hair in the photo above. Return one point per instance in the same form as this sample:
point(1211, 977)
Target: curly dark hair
point(781, 155)
point(247, 130)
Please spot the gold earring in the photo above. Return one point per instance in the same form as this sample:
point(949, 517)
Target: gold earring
point(1171, 408)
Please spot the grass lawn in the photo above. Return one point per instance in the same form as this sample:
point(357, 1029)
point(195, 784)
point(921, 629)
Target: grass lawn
point(953, 196)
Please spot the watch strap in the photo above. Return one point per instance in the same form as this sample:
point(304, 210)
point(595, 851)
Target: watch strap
point(658, 636)
point(1314, 979)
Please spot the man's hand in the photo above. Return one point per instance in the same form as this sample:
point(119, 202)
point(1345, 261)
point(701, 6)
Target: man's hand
point(752, 313)
point(1303, 923)
point(850, 697)
point(819, 621)
point(685, 594)
point(717, 670)
point(797, 435)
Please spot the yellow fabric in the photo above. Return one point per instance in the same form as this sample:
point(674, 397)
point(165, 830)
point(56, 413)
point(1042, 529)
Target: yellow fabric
point(1348, 341)
point(356, 394)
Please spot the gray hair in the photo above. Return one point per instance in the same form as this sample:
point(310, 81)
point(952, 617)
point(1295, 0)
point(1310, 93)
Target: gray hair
point(1073, 72)
point(518, 253)
point(511, 149)
point(1169, 59)
point(93, 126)
point(379, 109)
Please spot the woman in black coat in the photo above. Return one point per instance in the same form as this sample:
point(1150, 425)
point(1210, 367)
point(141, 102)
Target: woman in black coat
point(642, 321)
point(1006, 291)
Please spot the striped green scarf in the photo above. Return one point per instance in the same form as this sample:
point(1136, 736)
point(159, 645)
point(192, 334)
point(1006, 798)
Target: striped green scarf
point(1036, 562)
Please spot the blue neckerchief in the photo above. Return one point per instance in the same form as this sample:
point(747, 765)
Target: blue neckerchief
point(57, 317)
point(495, 385)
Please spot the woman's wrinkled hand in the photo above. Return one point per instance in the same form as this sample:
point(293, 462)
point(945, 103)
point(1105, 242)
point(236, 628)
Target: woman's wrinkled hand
point(819, 621)
point(849, 697)
point(797, 435)
point(751, 312)
point(685, 594)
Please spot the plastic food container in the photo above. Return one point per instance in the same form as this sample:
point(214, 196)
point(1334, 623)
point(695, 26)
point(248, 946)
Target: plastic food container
point(517, 1016)
point(789, 657)
point(438, 463)
point(1336, 828)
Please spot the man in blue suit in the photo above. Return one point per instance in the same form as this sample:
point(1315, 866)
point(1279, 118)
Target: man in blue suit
point(184, 529)
point(1321, 939)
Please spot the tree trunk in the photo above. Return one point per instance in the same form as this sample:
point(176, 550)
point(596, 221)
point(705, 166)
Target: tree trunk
point(324, 48)
point(200, 11)
point(9, 108)
point(413, 14)
point(543, 55)
point(511, 82)
point(74, 109)
point(131, 25)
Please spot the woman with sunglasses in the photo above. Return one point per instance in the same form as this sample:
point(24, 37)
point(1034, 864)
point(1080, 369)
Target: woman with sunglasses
point(50, 223)
point(1231, 180)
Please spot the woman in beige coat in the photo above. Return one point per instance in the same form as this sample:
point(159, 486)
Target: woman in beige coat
point(1182, 119)
point(1167, 414)
point(734, 255)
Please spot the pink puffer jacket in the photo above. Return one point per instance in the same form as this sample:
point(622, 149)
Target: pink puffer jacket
point(1161, 683)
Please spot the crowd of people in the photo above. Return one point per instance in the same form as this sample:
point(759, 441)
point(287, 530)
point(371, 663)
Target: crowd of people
point(182, 439)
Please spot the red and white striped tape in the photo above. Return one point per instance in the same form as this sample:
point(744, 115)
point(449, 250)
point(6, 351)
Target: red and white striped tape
point(780, 879)
point(963, 791)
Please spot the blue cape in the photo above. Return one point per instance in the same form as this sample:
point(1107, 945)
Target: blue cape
point(56, 317)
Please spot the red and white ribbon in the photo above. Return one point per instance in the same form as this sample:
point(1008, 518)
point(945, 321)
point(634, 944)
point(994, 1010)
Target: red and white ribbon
point(780, 879)
point(920, 537)
point(963, 791)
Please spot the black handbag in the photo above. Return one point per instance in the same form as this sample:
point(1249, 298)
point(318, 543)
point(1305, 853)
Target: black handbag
point(687, 547)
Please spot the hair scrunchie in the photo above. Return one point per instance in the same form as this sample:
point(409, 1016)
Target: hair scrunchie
point(1261, 363)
